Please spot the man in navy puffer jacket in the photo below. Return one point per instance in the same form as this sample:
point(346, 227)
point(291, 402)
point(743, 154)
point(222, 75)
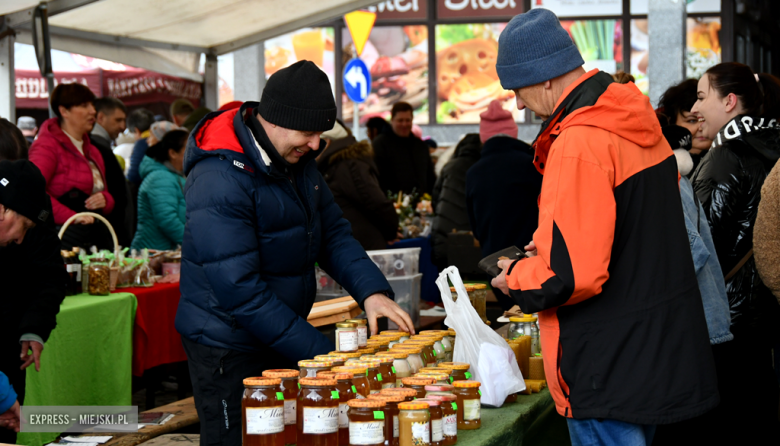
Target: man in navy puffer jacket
point(259, 215)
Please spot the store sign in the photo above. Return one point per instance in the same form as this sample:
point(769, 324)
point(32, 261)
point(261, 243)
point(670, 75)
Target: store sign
point(400, 9)
point(580, 8)
point(448, 9)
point(32, 90)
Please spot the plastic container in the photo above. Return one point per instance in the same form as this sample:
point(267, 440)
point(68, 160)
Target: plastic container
point(396, 262)
point(318, 412)
point(99, 278)
point(407, 296)
point(289, 386)
point(262, 412)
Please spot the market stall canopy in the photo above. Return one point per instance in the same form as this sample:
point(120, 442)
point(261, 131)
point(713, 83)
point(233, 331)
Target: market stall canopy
point(169, 36)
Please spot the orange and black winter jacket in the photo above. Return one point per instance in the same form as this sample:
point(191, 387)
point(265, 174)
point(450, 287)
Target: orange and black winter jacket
point(622, 323)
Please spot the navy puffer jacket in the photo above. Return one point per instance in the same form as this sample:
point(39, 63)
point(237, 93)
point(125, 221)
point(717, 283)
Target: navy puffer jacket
point(247, 279)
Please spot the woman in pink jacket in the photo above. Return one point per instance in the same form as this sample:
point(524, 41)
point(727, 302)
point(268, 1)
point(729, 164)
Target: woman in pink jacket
point(72, 166)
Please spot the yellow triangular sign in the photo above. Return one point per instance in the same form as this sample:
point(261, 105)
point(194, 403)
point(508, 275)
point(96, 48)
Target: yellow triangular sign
point(360, 24)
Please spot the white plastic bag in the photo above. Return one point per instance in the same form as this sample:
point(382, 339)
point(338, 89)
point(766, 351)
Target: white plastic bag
point(492, 361)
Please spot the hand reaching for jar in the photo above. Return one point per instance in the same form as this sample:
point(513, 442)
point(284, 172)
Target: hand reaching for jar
point(378, 305)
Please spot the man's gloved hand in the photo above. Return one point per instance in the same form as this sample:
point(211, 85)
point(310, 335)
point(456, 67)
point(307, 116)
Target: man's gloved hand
point(378, 305)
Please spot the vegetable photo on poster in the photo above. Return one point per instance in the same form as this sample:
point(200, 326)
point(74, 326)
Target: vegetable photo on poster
point(314, 44)
point(397, 57)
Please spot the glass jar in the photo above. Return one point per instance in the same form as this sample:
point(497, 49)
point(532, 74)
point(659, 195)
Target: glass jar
point(438, 389)
point(400, 365)
point(449, 415)
point(362, 330)
point(479, 300)
point(347, 392)
point(437, 431)
point(366, 422)
point(375, 378)
point(446, 341)
point(403, 335)
point(359, 379)
point(379, 345)
point(536, 346)
point(386, 368)
point(348, 356)
point(414, 357)
point(414, 424)
point(289, 386)
point(99, 278)
point(428, 354)
point(334, 360)
point(418, 384)
point(438, 348)
point(391, 401)
point(262, 408)
point(310, 368)
point(318, 412)
point(437, 370)
point(392, 339)
point(515, 328)
point(346, 337)
point(439, 377)
point(409, 394)
point(460, 370)
point(469, 406)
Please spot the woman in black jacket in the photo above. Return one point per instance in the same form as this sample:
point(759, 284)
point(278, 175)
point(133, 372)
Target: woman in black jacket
point(746, 144)
point(349, 169)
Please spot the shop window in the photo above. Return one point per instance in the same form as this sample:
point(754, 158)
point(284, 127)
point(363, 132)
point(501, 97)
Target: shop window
point(314, 44)
point(600, 43)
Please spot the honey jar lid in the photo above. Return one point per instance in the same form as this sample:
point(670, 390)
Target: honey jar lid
point(357, 321)
point(403, 391)
point(377, 341)
point(424, 341)
point(466, 384)
point(526, 318)
point(417, 381)
point(330, 358)
point(402, 333)
point(365, 402)
point(443, 370)
point(410, 349)
point(436, 376)
point(479, 286)
point(393, 397)
point(281, 373)
point(413, 405)
point(442, 397)
point(356, 370)
point(346, 325)
point(437, 336)
point(312, 363)
point(439, 388)
point(347, 355)
point(516, 319)
point(368, 364)
point(455, 365)
point(431, 402)
point(341, 376)
point(387, 336)
point(384, 359)
point(260, 381)
point(451, 331)
point(326, 374)
point(317, 381)
point(396, 354)
point(366, 351)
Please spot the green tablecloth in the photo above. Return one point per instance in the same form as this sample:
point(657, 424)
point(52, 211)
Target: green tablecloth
point(87, 360)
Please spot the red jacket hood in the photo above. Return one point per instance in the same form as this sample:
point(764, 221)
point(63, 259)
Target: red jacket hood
point(219, 133)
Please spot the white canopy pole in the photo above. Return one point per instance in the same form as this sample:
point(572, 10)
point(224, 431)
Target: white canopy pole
point(7, 78)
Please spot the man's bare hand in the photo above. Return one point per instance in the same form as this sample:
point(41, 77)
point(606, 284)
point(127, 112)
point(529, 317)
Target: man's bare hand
point(500, 280)
point(530, 249)
point(11, 418)
point(28, 358)
point(379, 305)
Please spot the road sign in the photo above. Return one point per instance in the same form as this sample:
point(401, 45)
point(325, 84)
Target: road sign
point(360, 24)
point(357, 81)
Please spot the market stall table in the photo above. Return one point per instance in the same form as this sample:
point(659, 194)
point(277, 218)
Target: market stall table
point(87, 359)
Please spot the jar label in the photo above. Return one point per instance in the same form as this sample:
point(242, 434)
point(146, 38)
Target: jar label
point(347, 340)
point(421, 433)
point(320, 420)
point(343, 417)
point(437, 432)
point(450, 425)
point(471, 410)
point(372, 432)
point(264, 420)
point(362, 331)
point(395, 426)
point(290, 412)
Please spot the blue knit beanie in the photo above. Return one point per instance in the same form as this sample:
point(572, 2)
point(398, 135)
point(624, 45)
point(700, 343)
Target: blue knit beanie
point(534, 48)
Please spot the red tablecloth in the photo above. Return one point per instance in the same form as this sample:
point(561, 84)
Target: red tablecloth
point(155, 339)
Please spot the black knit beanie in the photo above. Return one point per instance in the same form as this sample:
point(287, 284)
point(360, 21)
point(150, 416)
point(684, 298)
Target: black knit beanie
point(23, 189)
point(299, 98)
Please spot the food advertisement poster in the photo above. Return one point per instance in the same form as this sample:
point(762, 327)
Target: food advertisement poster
point(397, 57)
point(314, 44)
point(600, 43)
point(641, 7)
point(703, 48)
point(580, 8)
point(466, 78)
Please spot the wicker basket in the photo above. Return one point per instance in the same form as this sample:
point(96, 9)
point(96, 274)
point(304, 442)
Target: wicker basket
point(114, 270)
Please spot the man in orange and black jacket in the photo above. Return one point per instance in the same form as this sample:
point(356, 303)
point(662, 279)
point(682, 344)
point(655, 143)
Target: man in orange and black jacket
point(611, 275)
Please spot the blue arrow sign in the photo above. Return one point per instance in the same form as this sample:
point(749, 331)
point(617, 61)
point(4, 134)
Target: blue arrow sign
point(357, 81)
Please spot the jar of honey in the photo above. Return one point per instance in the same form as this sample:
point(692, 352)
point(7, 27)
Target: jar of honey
point(318, 412)
point(349, 356)
point(289, 386)
point(391, 401)
point(262, 408)
point(438, 347)
point(347, 392)
point(437, 432)
point(367, 422)
point(414, 356)
point(469, 407)
point(414, 424)
point(362, 330)
point(449, 415)
point(400, 365)
point(429, 355)
point(446, 341)
point(375, 378)
point(309, 368)
point(346, 337)
point(408, 393)
point(359, 379)
point(391, 339)
point(438, 389)
point(380, 344)
point(386, 369)
point(418, 384)
point(334, 360)
point(440, 378)
point(403, 335)
point(460, 370)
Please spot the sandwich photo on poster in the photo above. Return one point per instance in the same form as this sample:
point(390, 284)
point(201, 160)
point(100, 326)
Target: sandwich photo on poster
point(314, 44)
point(397, 57)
